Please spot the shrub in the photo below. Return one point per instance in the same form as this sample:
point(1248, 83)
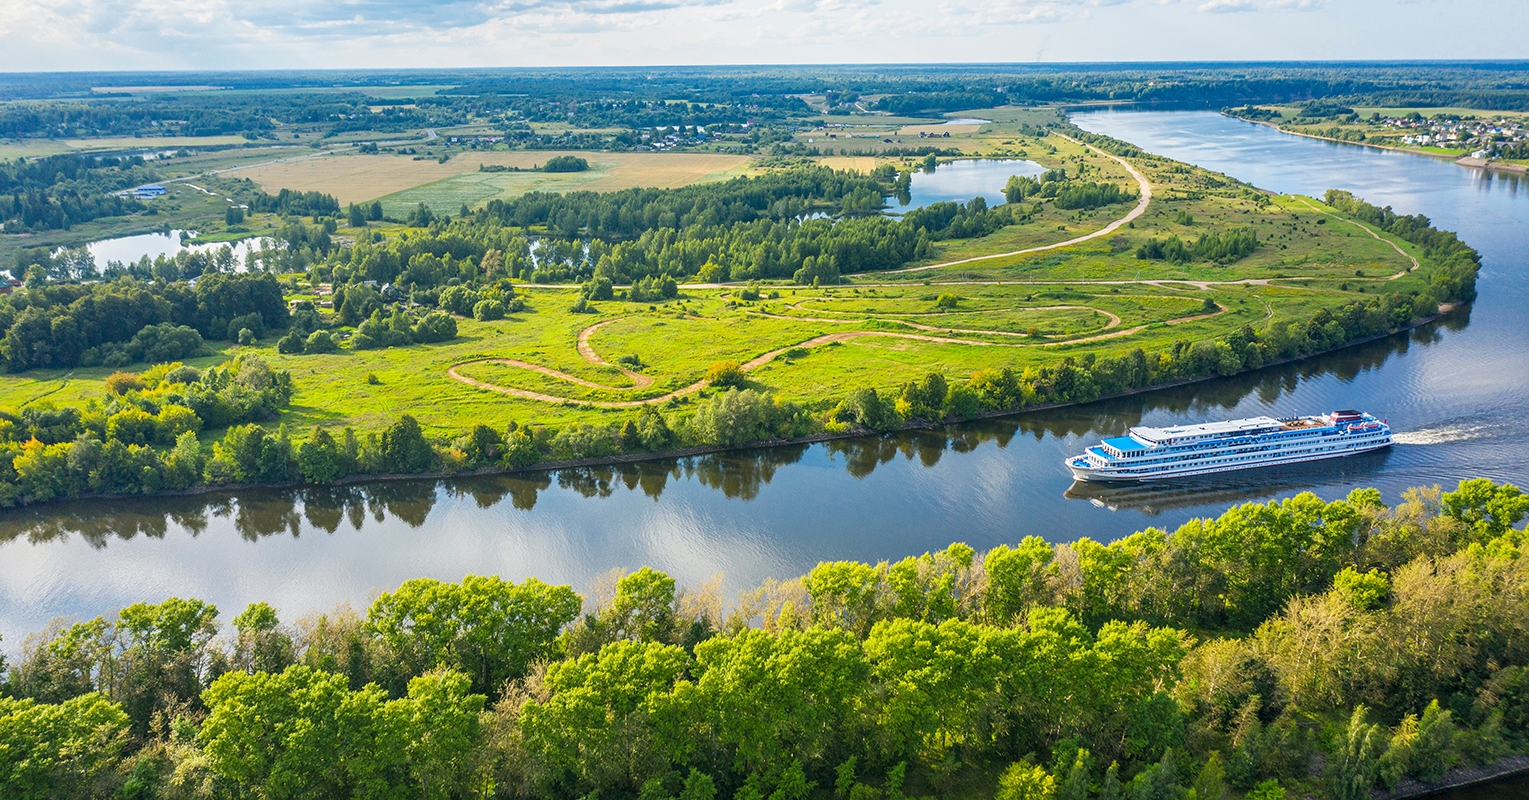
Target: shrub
point(320, 342)
point(372, 379)
point(182, 374)
point(361, 341)
point(120, 383)
point(437, 326)
point(565, 164)
point(173, 420)
point(404, 449)
point(723, 374)
point(947, 301)
point(488, 310)
point(246, 337)
point(291, 344)
point(131, 426)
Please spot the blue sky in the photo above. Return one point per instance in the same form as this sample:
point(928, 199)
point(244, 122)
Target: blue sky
point(46, 35)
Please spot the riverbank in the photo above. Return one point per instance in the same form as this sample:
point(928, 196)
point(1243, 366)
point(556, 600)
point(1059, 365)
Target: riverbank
point(1459, 778)
point(1464, 161)
point(853, 432)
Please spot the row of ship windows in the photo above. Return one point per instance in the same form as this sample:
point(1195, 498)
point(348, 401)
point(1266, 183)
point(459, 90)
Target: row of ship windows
point(1360, 437)
point(1156, 465)
point(1222, 443)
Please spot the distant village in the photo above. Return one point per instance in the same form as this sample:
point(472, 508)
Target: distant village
point(1485, 136)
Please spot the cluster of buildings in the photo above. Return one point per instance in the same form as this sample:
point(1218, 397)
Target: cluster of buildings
point(1482, 134)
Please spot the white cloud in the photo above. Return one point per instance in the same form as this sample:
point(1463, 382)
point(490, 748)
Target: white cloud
point(1227, 6)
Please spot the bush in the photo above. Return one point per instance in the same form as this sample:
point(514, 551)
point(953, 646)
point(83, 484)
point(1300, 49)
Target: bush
point(565, 164)
point(437, 326)
point(291, 344)
point(947, 301)
point(404, 449)
point(488, 310)
point(723, 374)
point(246, 337)
point(182, 374)
point(361, 341)
point(252, 322)
point(320, 342)
point(120, 383)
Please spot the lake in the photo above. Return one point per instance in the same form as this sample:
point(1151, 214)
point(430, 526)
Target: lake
point(1455, 390)
point(962, 180)
point(128, 249)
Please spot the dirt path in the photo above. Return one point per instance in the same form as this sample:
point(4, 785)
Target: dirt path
point(1376, 236)
point(1114, 320)
point(639, 380)
point(587, 351)
point(1141, 208)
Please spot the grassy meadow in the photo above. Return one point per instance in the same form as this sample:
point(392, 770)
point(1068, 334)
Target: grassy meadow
point(1006, 309)
point(1013, 312)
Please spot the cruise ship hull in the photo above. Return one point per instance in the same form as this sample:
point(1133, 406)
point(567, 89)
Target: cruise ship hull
point(1182, 451)
point(1093, 476)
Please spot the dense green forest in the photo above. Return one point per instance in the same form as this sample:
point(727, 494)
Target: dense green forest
point(143, 438)
point(67, 105)
point(1325, 648)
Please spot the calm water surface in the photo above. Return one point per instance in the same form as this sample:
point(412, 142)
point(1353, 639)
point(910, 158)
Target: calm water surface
point(962, 180)
point(1456, 391)
point(128, 249)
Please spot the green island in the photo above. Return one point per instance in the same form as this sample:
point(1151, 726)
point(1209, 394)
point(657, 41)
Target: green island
point(1289, 649)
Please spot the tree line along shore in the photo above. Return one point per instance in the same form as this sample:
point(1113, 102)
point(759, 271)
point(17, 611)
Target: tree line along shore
point(1293, 648)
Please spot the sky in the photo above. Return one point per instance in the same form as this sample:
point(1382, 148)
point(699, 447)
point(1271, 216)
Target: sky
point(70, 35)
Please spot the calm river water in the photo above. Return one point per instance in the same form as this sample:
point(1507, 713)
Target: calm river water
point(1456, 390)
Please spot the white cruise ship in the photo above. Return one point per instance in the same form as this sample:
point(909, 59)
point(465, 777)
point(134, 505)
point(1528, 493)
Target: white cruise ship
point(1149, 454)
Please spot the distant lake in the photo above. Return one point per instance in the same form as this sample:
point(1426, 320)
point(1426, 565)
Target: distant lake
point(960, 181)
point(128, 249)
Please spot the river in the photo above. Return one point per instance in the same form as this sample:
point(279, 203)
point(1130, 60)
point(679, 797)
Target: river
point(1454, 389)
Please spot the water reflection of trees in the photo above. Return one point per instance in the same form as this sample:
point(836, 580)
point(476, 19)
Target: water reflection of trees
point(740, 475)
point(1230, 488)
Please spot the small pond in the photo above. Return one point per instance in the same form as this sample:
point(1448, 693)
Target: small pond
point(960, 181)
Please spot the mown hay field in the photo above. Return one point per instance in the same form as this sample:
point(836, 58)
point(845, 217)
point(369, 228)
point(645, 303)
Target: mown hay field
point(355, 178)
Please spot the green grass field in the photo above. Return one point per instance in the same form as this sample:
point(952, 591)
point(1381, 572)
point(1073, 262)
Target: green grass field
point(814, 345)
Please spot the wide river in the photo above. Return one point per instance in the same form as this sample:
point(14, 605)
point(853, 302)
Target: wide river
point(1456, 391)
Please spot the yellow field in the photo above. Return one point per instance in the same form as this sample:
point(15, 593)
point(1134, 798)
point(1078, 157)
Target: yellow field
point(151, 142)
point(36, 148)
point(362, 178)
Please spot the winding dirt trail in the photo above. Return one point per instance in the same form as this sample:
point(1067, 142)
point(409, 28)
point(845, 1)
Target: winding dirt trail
point(1374, 235)
point(1141, 208)
point(586, 350)
point(1114, 320)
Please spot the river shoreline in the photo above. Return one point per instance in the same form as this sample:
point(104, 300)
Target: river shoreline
point(1459, 778)
point(1464, 161)
point(700, 450)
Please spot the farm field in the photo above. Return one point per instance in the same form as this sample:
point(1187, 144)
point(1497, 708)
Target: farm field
point(402, 183)
point(33, 148)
